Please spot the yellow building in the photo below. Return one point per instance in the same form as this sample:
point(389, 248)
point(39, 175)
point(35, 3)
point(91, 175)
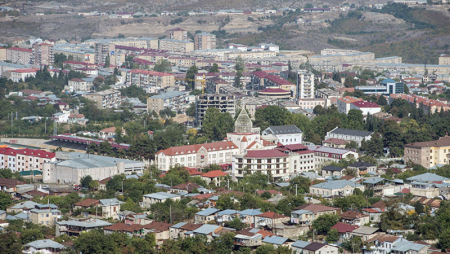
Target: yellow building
point(428, 153)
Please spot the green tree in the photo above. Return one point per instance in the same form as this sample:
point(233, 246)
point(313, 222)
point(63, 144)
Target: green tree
point(355, 119)
point(418, 207)
point(382, 101)
point(301, 183)
point(93, 185)
point(239, 64)
point(444, 239)
point(323, 223)
point(107, 61)
point(95, 241)
point(190, 75)
point(5, 200)
point(216, 125)
point(30, 235)
point(85, 181)
point(353, 244)
point(9, 243)
point(237, 224)
point(163, 65)
point(332, 236)
point(237, 80)
point(214, 68)
point(191, 110)
point(225, 202)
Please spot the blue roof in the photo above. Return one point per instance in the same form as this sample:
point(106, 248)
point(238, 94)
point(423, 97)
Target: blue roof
point(405, 246)
point(43, 244)
point(179, 225)
point(337, 184)
point(302, 212)
point(161, 195)
point(374, 180)
point(388, 81)
point(206, 229)
point(208, 211)
point(251, 212)
point(300, 244)
point(427, 177)
point(278, 240)
point(228, 212)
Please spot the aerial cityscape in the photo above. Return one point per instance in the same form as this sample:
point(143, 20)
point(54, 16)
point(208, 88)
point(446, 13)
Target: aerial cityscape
point(230, 127)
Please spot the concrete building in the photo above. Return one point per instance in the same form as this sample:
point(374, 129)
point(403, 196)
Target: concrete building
point(143, 42)
point(19, 55)
point(20, 75)
point(305, 84)
point(43, 54)
point(428, 153)
point(76, 227)
point(2, 54)
point(110, 207)
point(79, 85)
point(45, 215)
point(325, 155)
point(311, 103)
point(102, 50)
point(175, 100)
point(204, 41)
point(444, 59)
point(144, 78)
point(270, 162)
point(349, 135)
point(173, 45)
point(223, 102)
point(306, 214)
point(153, 198)
point(344, 103)
point(386, 87)
point(71, 167)
point(24, 159)
point(335, 188)
point(365, 107)
point(105, 99)
point(197, 156)
point(285, 135)
point(177, 34)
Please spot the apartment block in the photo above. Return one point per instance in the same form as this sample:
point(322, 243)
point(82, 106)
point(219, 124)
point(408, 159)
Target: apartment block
point(177, 34)
point(102, 50)
point(105, 99)
point(20, 74)
point(24, 159)
point(153, 78)
point(204, 41)
point(224, 103)
point(43, 54)
point(19, 55)
point(79, 85)
point(428, 153)
point(174, 100)
point(443, 59)
point(2, 54)
point(305, 84)
point(173, 45)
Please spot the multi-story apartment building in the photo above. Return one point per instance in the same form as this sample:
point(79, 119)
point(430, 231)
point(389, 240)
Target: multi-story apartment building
point(42, 54)
point(174, 100)
point(2, 54)
point(79, 85)
point(45, 215)
point(177, 34)
point(428, 153)
point(143, 42)
point(24, 159)
point(172, 45)
point(444, 59)
point(105, 99)
point(19, 55)
point(305, 84)
point(325, 155)
point(223, 102)
point(204, 41)
point(150, 78)
point(102, 50)
point(285, 135)
point(197, 156)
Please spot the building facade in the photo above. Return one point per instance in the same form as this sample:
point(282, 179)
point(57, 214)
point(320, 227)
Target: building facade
point(105, 99)
point(19, 55)
point(24, 159)
point(43, 54)
point(173, 45)
point(428, 153)
point(204, 41)
point(225, 103)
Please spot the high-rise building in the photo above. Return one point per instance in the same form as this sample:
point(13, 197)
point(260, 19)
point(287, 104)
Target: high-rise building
point(224, 103)
point(42, 54)
point(204, 41)
point(102, 51)
point(305, 84)
point(177, 34)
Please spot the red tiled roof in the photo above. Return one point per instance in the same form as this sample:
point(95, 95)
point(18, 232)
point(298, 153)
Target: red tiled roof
point(27, 151)
point(25, 70)
point(193, 171)
point(158, 226)
point(273, 153)
point(190, 149)
point(344, 228)
point(351, 215)
point(87, 202)
point(20, 49)
point(214, 173)
point(277, 80)
point(316, 208)
point(273, 90)
point(10, 183)
point(104, 181)
point(365, 104)
point(272, 215)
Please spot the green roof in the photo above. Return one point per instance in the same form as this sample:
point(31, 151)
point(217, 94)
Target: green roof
point(30, 172)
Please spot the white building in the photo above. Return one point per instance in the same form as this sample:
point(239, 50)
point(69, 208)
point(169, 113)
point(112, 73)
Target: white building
point(366, 107)
point(349, 135)
point(199, 155)
point(325, 155)
point(153, 198)
point(306, 84)
point(286, 135)
point(71, 167)
point(61, 117)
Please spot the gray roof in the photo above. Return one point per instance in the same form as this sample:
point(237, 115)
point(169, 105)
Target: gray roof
point(351, 132)
point(228, 212)
point(374, 180)
point(208, 211)
point(337, 184)
point(82, 161)
point(325, 149)
point(361, 164)
point(302, 212)
point(168, 95)
point(287, 129)
point(110, 202)
point(405, 246)
point(364, 230)
point(179, 225)
point(206, 229)
point(26, 205)
point(332, 168)
point(44, 211)
point(278, 240)
point(2, 212)
point(91, 223)
point(300, 244)
point(43, 244)
point(251, 212)
point(161, 195)
point(427, 177)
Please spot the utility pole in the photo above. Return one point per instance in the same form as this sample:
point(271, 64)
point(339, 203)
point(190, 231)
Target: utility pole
point(296, 190)
point(170, 211)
